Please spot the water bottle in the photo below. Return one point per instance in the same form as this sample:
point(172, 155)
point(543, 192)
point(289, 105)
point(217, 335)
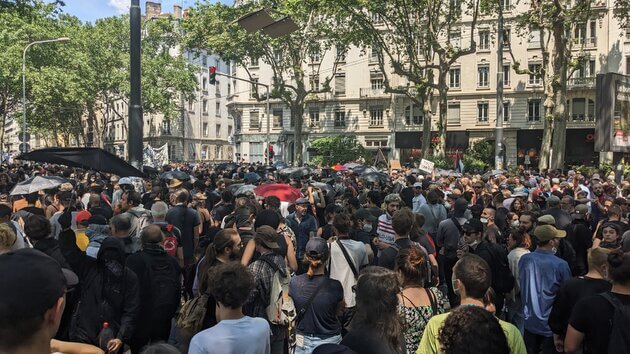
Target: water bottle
point(105, 336)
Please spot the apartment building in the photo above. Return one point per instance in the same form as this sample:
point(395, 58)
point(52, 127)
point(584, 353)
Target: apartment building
point(358, 104)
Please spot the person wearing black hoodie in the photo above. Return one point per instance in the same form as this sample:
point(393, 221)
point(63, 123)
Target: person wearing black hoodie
point(109, 290)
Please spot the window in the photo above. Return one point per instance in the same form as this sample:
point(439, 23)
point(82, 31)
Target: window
point(535, 74)
point(277, 118)
point(455, 39)
point(506, 75)
point(455, 6)
point(534, 38)
point(506, 111)
point(506, 5)
point(204, 85)
point(579, 33)
point(482, 112)
point(452, 116)
point(376, 116)
point(229, 86)
point(292, 121)
point(506, 37)
point(315, 83)
point(376, 18)
point(191, 106)
point(254, 88)
point(217, 109)
point(278, 56)
point(627, 65)
point(254, 120)
point(340, 118)
point(533, 111)
point(376, 81)
point(340, 84)
point(218, 130)
point(416, 117)
point(205, 130)
point(204, 107)
point(254, 62)
point(313, 118)
point(204, 60)
point(592, 39)
point(340, 54)
point(229, 130)
point(374, 53)
point(315, 55)
point(255, 152)
point(484, 72)
point(484, 40)
point(454, 77)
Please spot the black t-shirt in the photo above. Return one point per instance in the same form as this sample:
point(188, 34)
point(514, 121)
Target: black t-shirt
point(387, 258)
point(320, 317)
point(367, 341)
point(185, 219)
point(327, 231)
point(593, 317)
point(568, 295)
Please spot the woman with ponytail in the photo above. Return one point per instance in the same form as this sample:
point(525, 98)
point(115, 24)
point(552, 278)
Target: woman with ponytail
point(318, 300)
point(592, 325)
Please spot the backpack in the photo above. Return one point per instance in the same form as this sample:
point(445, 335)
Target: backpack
point(191, 315)
point(142, 219)
point(280, 310)
point(166, 289)
point(502, 280)
point(619, 343)
point(170, 242)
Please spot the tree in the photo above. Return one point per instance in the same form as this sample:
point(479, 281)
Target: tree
point(295, 59)
point(337, 149)
point(480, 156)
point(414, 40)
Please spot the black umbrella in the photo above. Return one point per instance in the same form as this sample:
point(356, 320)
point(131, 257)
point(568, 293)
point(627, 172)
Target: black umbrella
point(297, 172)
point(226, 166)
point(36, 184)
point(280, 165)
point(175, 174)
point(234, 187)
point(87, 158)
point(252, 177)
point(375, 177)
point(360, 169)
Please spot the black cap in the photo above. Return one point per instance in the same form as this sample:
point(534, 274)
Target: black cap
point(316, 247)
point(267, 236)
point(473, 225)
point(364, 214)
point(31, 283)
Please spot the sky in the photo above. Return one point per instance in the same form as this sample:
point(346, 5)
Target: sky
point(91, 10)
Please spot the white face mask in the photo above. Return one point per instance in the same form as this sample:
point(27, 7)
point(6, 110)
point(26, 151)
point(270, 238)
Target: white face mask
point(483, 220)
point(515, 223)
point(367, 227)
point(447, 205)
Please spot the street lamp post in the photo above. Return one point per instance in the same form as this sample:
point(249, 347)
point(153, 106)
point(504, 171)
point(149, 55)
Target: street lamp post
point(61, 39)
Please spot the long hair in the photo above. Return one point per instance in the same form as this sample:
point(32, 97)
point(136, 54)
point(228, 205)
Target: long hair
point(377, 290)
point(222, 240)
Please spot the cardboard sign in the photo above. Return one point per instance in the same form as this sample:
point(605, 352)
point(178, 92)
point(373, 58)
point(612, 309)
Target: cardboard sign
point(395, 165)
point(426, 166)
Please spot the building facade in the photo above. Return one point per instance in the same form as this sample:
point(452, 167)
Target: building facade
point(358, 104)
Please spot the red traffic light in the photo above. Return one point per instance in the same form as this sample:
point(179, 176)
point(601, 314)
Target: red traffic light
point(213, 69)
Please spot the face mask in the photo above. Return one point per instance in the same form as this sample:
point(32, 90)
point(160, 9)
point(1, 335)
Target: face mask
point(447, 205)
point(515, 223)
point(483, 220)
point(367, 227)
point(554, 250)
point(473, 244)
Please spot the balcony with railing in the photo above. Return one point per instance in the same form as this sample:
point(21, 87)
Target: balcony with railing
point(588, 81)
point(582, 118)
point(372, 92)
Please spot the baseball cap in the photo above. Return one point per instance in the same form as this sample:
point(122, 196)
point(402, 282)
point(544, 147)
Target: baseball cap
point(553, 200)
point(316, 247)
point(580, 211)
point(595, 177)
point(548, 232)
point(547, 220)
point(417, 185)
point(301, 201)
point(97, 220)
point(461, 204)
point(83, 217)
point(364, 214)
point(31, 282)
point(267, 236)
point(473, 225)
point(125, 180)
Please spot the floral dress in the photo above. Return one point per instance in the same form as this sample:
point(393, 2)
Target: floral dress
point(415, 318)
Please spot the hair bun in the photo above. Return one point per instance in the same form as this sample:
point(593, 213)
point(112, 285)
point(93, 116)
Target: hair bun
point(615, 258)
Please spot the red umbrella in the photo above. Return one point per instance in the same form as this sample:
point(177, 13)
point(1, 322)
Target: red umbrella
point(339, 167)
point(285, 192)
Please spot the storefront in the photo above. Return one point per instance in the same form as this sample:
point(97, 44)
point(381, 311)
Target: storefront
point(579, 148)
point(410, 144)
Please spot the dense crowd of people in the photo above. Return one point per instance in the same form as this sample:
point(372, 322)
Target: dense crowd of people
point(199, 260)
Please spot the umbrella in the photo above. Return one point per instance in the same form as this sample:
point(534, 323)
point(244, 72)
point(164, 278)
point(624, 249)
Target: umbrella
point(297, 172)
point(175, 174)
point(375, 177)
point(493, 173)
point(339, 167)
point(234, 187)
point(360, 169)
point(280, 165)
point(252, 177)
point(36, 184)
point(285, 192)
point(244, 189)
point(352, 165)
point(226, 166)
point(323, 186)
point(88, 158)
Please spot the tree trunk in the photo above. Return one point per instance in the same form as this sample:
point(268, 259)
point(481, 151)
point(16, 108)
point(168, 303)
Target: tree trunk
point(297, 110)
point(4, 123)
point(426, 124)
point(545, 145)
point(440, 148)
point(560, 58)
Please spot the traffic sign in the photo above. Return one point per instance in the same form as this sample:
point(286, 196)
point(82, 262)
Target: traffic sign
point(25, 147)
point(21, 137)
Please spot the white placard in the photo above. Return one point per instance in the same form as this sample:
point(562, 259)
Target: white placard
point(426, 166)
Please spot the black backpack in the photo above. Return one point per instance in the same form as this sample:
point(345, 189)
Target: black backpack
point(166, 288)
point(619, 342)
point(502, 280)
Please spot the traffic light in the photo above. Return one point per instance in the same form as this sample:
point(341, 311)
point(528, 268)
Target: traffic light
point(213, 75)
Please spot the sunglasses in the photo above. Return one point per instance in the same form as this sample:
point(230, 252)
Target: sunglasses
point(469, 233)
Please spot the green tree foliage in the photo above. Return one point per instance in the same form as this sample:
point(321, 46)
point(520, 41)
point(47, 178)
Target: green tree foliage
point(479, 157)
point(337, 149)
point(294, 58)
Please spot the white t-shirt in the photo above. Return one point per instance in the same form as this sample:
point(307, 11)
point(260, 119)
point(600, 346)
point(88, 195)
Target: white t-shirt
point(340, 269)
point(246, 335)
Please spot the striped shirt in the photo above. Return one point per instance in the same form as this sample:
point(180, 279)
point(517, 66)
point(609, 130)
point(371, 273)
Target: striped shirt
point(385, 230)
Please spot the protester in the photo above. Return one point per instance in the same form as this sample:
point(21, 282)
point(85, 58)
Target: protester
point(187, 221)
point(472, 329)
point(231, 284)
point(303, 225)
point(518, 245)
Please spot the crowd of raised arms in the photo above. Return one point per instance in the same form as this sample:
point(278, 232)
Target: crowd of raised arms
point(240, 259)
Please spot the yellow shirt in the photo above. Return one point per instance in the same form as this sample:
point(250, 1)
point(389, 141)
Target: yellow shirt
point(430, 344)
point(82, 240)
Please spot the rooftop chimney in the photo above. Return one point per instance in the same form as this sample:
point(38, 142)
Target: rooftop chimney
point(177, 11)
point(154, 9)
